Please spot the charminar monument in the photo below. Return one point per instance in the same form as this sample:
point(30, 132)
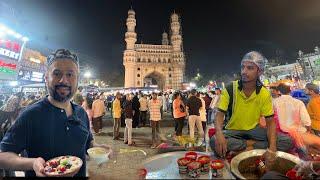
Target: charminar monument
point(153, 65)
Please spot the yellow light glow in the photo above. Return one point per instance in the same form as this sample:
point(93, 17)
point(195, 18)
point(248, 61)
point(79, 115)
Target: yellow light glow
point(35, 60)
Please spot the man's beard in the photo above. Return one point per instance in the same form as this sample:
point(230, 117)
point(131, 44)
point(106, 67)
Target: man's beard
point(56, 96)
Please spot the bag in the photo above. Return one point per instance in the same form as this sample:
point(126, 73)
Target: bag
point(182, 108)
point(230, 89)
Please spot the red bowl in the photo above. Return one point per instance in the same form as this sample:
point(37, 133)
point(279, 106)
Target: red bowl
point(217, 164)
point(185, 159)
point(192, 155)
point(142, 172)
point(204, 159)
point(292, 174)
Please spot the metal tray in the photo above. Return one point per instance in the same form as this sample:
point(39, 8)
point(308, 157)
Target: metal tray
point(164, 166)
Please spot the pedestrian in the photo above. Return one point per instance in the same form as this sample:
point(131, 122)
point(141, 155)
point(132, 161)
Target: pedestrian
point(116, 108)
point(155, 117)
point(136, 107)
point(203, 115)
point(123, 117)
point(165, 102)
point(78, 98)
point(143, 109)
point(313, 107)
point(292, 116)
point(129, 113)
point(193, 106)
point(213, 104)
point(207, 99)
point(170, 99)
point(179, 113)
point(87, 106)
point(54, 126)
point(99, 110)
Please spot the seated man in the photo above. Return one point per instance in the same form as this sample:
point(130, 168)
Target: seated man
point(247, 102)
point(292, 116)
point(306, 169)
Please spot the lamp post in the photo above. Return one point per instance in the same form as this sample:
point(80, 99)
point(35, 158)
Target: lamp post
point(87, 75)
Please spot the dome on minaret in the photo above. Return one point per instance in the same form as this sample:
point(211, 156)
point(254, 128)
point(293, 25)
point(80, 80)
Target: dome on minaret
point(164, 34)
point(165, 40)
point(131, 12)
point(174, 17)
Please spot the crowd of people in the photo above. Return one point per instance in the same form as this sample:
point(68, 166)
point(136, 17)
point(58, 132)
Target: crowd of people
point(246, 115)
point(135, 110)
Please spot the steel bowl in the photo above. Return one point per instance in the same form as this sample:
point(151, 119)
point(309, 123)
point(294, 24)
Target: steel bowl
point(240, 163)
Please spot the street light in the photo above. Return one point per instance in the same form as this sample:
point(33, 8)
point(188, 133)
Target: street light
point(87, 74)
point(192, 85)
point(13, 83)
point(25, 39)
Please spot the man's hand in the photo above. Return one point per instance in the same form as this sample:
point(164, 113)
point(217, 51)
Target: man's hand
point(220, 144)
point(270, 158)
point(304, 169)
point(38, 167)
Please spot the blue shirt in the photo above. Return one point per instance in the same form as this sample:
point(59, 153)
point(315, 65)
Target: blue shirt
point(43, 130)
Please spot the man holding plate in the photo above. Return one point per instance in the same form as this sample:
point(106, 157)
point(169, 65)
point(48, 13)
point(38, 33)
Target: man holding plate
point(52, 127)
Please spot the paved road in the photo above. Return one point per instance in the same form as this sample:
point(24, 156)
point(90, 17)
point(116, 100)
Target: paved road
point(126, 160)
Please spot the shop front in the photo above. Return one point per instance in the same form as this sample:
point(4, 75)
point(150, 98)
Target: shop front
point(11, 48)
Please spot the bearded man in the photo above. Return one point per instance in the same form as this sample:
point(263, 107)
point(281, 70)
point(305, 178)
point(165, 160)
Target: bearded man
point(52, 127)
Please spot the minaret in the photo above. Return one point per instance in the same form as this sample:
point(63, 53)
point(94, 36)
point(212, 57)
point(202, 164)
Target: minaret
point(177, 51)
point(129, 56)
point(131, 35)
point(165, 40)
point(176, 39)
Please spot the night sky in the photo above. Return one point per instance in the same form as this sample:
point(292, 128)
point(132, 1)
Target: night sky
point(216, 34)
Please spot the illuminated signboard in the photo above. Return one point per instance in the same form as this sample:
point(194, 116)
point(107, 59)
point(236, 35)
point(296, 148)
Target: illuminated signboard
point(31, 76)
point(8, 70)
point(10, 49)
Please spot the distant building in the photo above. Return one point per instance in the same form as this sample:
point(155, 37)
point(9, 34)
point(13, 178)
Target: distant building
point(32, 66)
point(311, 64)
point(282, 71)
point(148, 65)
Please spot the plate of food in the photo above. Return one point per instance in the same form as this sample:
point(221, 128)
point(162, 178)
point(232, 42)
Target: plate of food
point(63, 166)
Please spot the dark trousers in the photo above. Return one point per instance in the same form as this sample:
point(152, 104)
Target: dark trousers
point(97, 124)
point(236, 140)
point(204, 127)
point(155, 125)
point(179, 123)
point(116, 127)
point(143, 117)
point(136, 119)
point(208, 111)
point(175, 125)
point(123, 124)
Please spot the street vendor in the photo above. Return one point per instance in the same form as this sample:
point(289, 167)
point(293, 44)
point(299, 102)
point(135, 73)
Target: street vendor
point(52, 127)
point(247, 101)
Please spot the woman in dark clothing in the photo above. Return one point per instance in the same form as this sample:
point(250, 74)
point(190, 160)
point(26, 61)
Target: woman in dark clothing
point(135, 107)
